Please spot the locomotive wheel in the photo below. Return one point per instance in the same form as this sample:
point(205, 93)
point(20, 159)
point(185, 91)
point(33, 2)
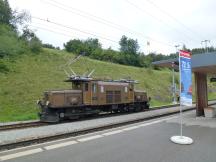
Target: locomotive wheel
point(115, 111)
point(124, 109)
point(53, 118)
point(138, 108)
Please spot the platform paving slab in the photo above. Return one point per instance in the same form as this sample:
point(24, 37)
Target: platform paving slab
point(15, 136)
point(150, 143)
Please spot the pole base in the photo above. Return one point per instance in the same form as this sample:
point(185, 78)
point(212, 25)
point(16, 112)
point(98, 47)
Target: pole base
point(182, 140)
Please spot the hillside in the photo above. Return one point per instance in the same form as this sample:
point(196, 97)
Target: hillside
point(32, 74)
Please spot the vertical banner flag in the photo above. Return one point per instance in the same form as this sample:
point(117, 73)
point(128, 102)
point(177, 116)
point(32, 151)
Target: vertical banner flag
point(185, 78)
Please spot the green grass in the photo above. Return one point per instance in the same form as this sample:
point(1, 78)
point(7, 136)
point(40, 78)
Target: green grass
point(30, 75)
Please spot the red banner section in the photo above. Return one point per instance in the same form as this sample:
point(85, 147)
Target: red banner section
point(185, 54)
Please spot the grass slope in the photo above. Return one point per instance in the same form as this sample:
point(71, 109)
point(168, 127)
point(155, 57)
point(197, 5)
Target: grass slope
point(30, 75)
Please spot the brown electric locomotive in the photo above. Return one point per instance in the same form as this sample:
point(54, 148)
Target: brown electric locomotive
point(90, 96)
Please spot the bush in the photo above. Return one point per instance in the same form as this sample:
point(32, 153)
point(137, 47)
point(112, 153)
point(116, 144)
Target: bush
point(35, 45)
point(3, 68)
point(10, 44)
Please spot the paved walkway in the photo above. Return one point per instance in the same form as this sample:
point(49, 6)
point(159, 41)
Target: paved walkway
point(14, 136)
point(145, 141)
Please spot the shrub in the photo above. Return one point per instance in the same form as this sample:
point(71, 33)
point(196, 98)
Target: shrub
point(10, 44)
point(3, 68)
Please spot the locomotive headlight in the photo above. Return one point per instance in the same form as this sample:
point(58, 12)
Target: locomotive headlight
point(47, 103)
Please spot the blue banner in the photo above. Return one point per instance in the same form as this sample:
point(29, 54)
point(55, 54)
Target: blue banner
point(185, 78)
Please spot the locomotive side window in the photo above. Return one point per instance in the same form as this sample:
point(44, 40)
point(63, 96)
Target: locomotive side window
point(131, 87)
point(86, 86)
point(76, 85)
point(94, 88)
point(102, 89)
point(126, 89)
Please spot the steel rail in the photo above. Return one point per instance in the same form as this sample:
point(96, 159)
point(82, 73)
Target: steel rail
point(90, 130)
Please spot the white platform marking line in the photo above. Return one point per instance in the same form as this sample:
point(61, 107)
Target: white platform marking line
point(89, 138)
point(19, 154)
point(131, 128)
point(60, 145)
point(113, 132)
point(106, 134)
point(157, 121)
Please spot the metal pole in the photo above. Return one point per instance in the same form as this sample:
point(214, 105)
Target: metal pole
point(180, 99)
point(173, 78)
point(181, 119)
point(173, 83)
point(206, 45)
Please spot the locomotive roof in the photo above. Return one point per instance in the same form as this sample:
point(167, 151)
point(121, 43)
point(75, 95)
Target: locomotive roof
point(87, 79)
point(79, 79)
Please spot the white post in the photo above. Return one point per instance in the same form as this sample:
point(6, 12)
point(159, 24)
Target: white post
point(181, 120)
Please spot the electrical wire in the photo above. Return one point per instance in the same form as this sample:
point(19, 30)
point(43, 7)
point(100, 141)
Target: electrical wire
point(159, 20)
point(76, 29)
point(69, 30)
point(102, 21)
point(175, 19)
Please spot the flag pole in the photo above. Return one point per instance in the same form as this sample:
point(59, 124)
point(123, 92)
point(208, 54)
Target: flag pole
point(183, 140)
point(181, 120)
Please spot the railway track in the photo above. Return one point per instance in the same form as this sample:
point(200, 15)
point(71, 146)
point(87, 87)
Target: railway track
point(74, 134)
point(39, 124)
point(21, 126)
point(7, 127)
point(90, 130)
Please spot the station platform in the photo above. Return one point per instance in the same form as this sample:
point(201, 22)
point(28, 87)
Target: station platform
point(145, 141)
point(20, 135)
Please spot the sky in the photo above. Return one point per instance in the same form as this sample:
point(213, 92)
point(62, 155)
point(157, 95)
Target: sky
point(162, 23)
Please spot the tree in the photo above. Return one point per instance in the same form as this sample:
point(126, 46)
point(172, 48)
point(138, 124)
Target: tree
point(19, 18)
point(123, 44)
point(5, 12)
point(76, 46)
point(33, 42)
point(10, 17)
point(91, 45)
point(88, 47)
point(47, 45)
point(128, 45)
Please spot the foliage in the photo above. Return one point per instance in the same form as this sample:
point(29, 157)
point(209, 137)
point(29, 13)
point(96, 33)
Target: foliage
point(128, 45)
point(86, 47)
point(202, 50)
point(128, 54)
point(5, 12)
point(10, 17)
point(75, 46)
point(3, 67)
point(32, 41)
point(47, 45)
point(35, 45)
point(10, 44)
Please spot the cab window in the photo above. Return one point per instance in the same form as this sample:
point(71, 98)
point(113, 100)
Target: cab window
point(86, 86)
point(76, 85)
point(102, 89)
point(94, 87)
point(126, 89)
point(131, 87)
